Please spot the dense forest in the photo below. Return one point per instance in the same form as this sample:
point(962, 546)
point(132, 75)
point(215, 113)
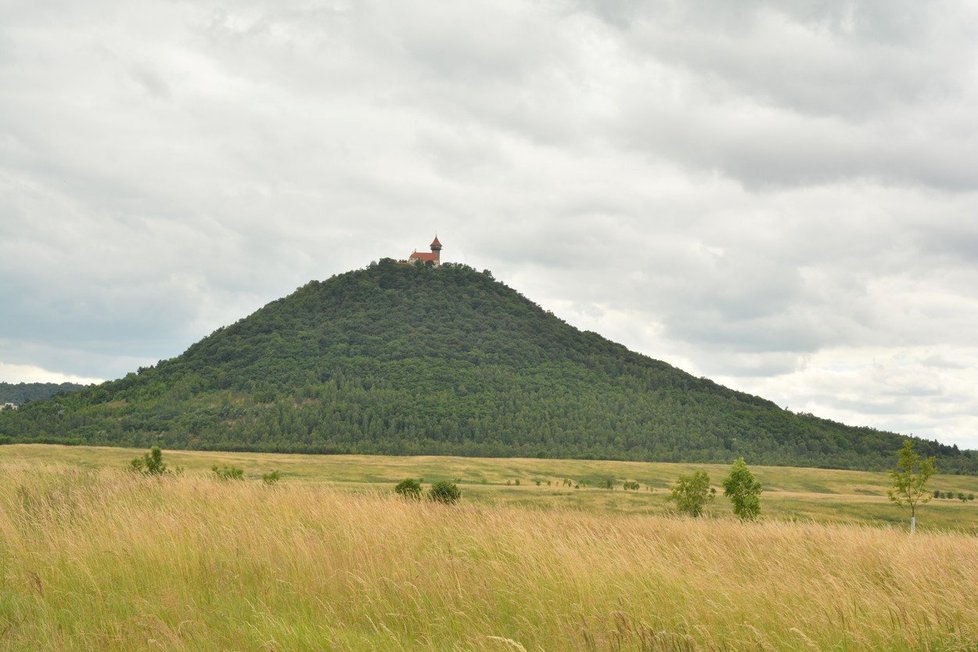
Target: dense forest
point(404, 359)
point(20, 393)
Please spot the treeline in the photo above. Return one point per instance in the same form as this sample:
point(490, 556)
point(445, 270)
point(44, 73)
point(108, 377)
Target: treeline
point(400, 359)
point(20, 393)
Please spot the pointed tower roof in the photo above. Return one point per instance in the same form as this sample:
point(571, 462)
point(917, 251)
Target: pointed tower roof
point(435, 243)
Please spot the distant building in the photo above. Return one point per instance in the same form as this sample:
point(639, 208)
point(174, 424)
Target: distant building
point(9, 406)
point(433, 257)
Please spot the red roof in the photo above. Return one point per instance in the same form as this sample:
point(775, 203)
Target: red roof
point(417, 255)
point(435, 243)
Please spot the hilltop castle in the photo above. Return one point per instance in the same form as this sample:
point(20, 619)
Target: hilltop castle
point(433, 257)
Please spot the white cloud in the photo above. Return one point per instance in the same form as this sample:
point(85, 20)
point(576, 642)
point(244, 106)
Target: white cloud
point(19, 373)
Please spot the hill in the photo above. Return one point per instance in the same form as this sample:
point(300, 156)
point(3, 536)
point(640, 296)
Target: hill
point(403, 359)
point(20, 393)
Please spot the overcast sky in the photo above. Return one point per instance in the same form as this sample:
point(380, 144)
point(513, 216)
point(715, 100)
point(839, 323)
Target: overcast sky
point(781, 196)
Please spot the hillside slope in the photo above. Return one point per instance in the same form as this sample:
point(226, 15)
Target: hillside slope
point(417, 360)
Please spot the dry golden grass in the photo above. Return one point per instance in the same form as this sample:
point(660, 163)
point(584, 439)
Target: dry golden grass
point(822, 495)
point(106, 560)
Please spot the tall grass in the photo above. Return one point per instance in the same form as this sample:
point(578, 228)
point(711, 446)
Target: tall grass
point(106, 560)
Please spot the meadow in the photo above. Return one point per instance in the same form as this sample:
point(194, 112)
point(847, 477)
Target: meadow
point(790, 493)
point(95, 557)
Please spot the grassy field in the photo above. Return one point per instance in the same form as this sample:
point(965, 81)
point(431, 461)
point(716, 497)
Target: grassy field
point(96, 558)
point(794, 494)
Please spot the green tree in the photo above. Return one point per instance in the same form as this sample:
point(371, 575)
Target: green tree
point(743, 490)
point(409, 488)
point(909, 480)
point(150, 463)
point(691, 493)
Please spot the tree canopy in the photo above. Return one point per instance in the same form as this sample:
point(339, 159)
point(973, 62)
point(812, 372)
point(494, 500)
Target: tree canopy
point(692, 493)
point(743, 490)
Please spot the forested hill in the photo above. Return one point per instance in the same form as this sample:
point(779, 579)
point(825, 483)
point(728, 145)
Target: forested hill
point(20, 393)
point(418, 360)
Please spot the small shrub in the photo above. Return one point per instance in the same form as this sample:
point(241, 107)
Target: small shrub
point(971, 496)
point(409, 488)
point(517, 482)
point(631, 485)
point(539, 482)
point(228, 472)
point(937, 493)
point(271, 477)
point(444, 492)
point(149, 464)
point(961, 496)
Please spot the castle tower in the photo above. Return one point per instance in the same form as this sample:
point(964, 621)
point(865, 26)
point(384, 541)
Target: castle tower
point(436, 249)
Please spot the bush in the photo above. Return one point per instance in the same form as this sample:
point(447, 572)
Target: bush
point(149, 464)
point(444, 492)
point(271, 478)
point(631, 485)
point(409, 488)
point(228, 472)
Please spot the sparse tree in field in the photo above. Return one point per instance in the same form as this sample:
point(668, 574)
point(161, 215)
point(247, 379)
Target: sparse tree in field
point(743, 490)
point(409, 488)
point(150, 463)
point(691, 493)
point(909, 480)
